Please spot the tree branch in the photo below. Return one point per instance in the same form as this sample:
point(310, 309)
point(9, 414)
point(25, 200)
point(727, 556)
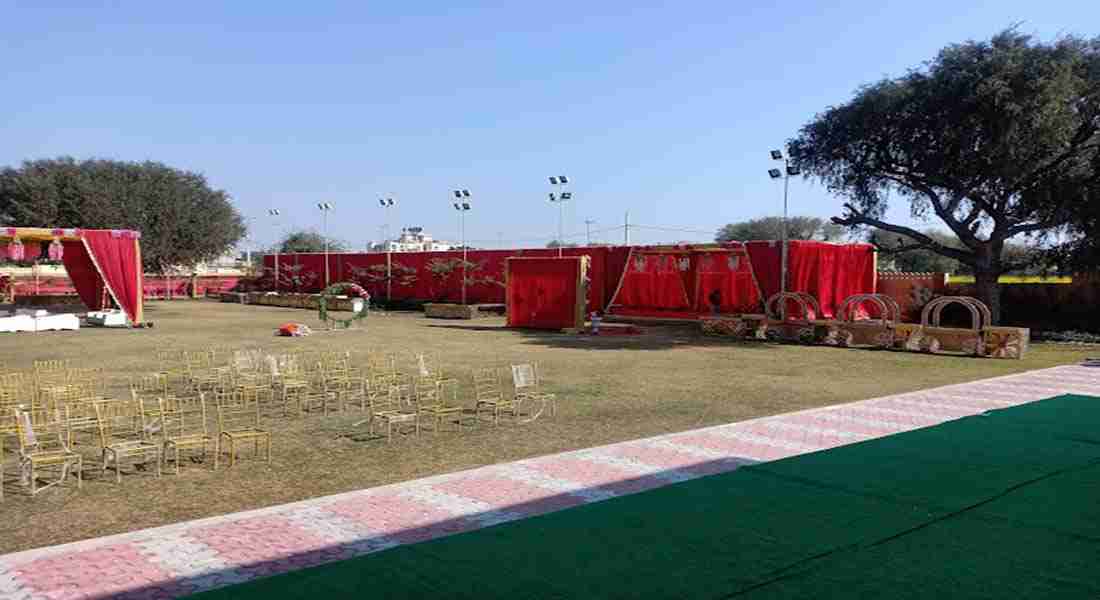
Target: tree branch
point(857, 218)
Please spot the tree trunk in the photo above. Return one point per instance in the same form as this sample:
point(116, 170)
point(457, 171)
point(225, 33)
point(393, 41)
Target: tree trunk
point(989, 291)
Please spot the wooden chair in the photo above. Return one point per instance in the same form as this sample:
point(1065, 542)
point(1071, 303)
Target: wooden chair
point(122, 437)
point(489, 396)
point(313, 400)
point(432, 402)
point(42, 446)
point(527, 389)
point(394, 407)
point(240, 422)
point(182, 425)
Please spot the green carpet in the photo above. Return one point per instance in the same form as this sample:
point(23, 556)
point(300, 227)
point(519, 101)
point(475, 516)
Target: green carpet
point(1003, 505)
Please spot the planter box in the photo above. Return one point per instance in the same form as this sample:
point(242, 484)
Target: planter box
point(992, 342)
point(451, 311)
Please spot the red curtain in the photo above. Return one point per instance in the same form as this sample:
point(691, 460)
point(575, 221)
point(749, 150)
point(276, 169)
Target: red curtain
point(653, 281)
point(82, 272)
point(729, 274)
point(828, 272)
point(115, 253)
point(542, 292)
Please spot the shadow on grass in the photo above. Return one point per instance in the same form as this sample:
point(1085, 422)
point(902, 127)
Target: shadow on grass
point(379, 531)
point(652, 337)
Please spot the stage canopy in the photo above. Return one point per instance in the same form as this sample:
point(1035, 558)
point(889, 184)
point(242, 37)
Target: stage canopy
point(101, 263)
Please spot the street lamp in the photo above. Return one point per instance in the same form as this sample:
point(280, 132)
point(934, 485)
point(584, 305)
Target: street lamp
point(387, 204)
point(560, 198)
point(462, 205)
point(786, 176)
point(274, 214)
point(325, 207)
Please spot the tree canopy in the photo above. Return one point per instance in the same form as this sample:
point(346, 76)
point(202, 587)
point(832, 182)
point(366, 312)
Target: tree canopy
point(182, 219)
point(309, 241)
point(771, 228)
point(996, 139)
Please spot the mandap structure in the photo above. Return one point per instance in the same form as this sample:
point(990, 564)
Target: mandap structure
point(104, 265)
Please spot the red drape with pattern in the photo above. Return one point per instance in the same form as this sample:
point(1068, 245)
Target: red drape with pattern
point(82, 272)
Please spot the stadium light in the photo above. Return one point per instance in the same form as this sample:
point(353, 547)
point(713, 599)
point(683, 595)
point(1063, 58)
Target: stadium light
point(387, 203)
point(775, 173)
point(786, 177)
point(274, 214)
point(463, 206)
point(325, 208)
point(777, 155)
point(560, 198)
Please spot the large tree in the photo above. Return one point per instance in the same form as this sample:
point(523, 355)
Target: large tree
point(182, 219)
point(771, 228)
point(309, 241)
point(996, 139)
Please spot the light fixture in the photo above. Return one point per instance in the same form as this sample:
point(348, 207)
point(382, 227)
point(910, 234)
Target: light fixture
point(465, 193)
point(465, 206)
point(567, 195)
point(553, 180)
point(553, 197)
point(457, 207)
point(563, 179)
point(775, 173)
point(273, 212)
point(792, 170)
point(777, 155)
point(458, 193)
point(324, 205)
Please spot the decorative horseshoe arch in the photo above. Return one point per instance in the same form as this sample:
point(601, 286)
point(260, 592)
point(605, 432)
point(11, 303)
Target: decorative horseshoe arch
point(776, 306)
point(348, 288)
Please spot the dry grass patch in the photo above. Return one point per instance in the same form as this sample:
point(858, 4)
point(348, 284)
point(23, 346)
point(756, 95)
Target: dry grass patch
point(609, 389)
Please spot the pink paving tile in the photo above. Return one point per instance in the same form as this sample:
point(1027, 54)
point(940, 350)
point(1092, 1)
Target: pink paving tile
point(266, 545)
point(107, 571)
point(732, 446)
point(909, 419)
point(595, 474)
point(508, 494)
point(401, 518)
point(942, 408)
point(860, 427)
point(809, 438)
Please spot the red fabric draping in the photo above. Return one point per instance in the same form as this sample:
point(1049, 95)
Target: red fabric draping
point(119, 264)
point(82, 272)
point(729, 274)
point(542, 292)
point(653, 281)
point(828, 272)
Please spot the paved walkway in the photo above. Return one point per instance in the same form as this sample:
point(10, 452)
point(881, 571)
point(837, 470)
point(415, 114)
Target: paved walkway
point(175, 560)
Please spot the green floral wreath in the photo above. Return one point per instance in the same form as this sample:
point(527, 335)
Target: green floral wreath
point(350, 289)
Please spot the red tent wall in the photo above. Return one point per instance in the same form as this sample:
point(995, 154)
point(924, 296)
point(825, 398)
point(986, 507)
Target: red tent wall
point(829, 272)
point(543, 292)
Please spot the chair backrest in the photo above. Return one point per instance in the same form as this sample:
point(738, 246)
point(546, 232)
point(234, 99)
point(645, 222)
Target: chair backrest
point(238, 416)
point(154, 384)
point(525, 377)
point(180, 417)
point(487, 384)
point(39, 432)
point(118, 420)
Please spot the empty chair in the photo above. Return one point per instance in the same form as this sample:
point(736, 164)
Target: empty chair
point(42, 446)
point(122, 437)
point(239, 422)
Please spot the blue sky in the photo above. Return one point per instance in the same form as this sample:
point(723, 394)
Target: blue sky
point(665, 109)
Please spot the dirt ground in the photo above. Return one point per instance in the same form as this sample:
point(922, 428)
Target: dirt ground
point(609, 389)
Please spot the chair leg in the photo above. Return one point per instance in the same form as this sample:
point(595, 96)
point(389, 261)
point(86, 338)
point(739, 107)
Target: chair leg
point(79, 472)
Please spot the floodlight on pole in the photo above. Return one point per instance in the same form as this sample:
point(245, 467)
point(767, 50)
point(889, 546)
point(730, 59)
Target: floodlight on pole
point(463, 206)
point(785, 175)
point(325, 207)
point(560, 198)
point(274, 213)
point(387, 203)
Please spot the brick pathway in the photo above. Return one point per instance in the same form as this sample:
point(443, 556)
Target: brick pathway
point(176, 560)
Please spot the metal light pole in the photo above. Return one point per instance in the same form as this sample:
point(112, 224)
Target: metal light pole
point(560, 198)
point(325, 207)
point(387, 203)
point(462, 205)
point(274, 214)
point(786, 175)
point(588, 231)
